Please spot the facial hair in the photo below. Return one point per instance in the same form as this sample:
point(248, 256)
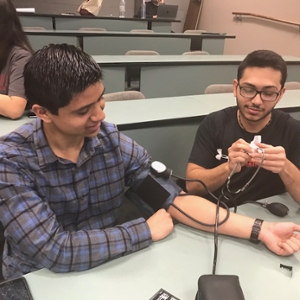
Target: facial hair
point(266, 113)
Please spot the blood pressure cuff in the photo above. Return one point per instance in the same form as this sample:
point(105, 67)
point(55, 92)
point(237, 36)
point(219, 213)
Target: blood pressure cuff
point(153, 193)
point(225, 287)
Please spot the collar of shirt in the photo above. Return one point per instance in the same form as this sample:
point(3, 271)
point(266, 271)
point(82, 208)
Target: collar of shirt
point(45, 154)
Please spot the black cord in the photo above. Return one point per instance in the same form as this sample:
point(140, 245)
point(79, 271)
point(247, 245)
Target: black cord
point(199, 222)
point(216, 240)
point(196, 180)
point(254, 202)
point(216, 224)
point(219, 201)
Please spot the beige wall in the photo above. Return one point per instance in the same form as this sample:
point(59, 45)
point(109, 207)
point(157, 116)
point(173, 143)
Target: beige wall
point(251, 33)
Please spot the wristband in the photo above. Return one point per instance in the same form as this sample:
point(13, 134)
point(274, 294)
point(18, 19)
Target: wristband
point(255, 231)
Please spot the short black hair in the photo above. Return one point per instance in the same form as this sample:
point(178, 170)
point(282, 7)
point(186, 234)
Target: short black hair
point(56, 73)
point(264, 59)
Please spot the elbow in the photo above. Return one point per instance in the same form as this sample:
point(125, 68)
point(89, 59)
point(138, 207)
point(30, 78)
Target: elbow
point(188, 186)
point(15, 114)
point(191, 187)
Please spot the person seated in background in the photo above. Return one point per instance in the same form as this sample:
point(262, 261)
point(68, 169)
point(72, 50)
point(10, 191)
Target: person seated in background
point(151, 9)
point(15, 51)
point(63, 176)
point(90, 7)
point(223, 141)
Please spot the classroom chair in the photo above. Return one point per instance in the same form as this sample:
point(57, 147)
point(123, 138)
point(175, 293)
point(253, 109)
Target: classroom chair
point(218, 88)
point(198, 52)
point(133, 72)
point(124, 95)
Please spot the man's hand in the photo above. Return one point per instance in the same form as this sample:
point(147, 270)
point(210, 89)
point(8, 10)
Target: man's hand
point(275, 157)
point(160, 224)
point(281, 238)
point(238, 154)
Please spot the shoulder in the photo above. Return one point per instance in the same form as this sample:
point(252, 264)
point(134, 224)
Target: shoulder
point(18, 53)
point(112, 140)
point(109, 133)
point(284, 119)
point(108, 130)
point(18, 142)
point(109, 136)
point(222, 116)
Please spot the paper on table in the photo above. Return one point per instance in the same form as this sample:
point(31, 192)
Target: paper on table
point(26, 10)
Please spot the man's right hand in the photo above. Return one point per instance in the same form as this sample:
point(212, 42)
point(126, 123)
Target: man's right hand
point(238, 155)
point(160, 224)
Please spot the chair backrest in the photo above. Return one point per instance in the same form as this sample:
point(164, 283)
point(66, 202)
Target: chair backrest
point(142, 30)
point(33, 28)
point(198, 52)
point(292, 85)
point(92, 29)
point(219, 88)
point(125, 95)
point(194, 31)
point(141, 52)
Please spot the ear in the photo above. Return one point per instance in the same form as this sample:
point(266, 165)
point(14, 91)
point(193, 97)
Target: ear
point(42, 113)
point(281, 94)
point(235, 86)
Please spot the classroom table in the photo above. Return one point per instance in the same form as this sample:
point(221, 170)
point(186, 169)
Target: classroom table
point(177, 75)
point(166, 127)
point(118, 42)
point(110, 23)
point(176, 263)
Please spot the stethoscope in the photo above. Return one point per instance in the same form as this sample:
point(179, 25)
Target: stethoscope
point(226, 186)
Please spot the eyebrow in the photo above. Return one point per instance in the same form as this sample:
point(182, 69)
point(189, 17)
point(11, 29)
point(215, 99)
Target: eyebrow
point(265, 87)
point(91, 104)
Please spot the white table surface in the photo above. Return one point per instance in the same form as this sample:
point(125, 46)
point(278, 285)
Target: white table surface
point(176, 263)
point(109, 59)
point(167, 108)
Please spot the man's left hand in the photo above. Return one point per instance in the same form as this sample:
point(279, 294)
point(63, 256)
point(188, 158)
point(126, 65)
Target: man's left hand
point(281, 238)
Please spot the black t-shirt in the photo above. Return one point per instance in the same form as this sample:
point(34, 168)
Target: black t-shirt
point(220, 129)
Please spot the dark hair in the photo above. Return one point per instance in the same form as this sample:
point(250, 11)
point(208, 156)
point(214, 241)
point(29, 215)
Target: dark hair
point(11, 32)
point(264, 59)
point(55, 73)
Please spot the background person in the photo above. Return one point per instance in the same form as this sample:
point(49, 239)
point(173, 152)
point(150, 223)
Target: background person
point(15, 51)
point(151, 8)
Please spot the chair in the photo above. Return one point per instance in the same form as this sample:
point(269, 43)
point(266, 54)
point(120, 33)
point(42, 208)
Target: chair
point(92, 29)
point(194, 31)
point(141, 52)
point(142, 30)
point(292, 85)
point(33, 28)
point(219, 88)
point(125, 95)
point(198, 52)
point(133, 72)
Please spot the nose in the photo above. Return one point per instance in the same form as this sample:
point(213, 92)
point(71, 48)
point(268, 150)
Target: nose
point(98, 113)
point(257, 99)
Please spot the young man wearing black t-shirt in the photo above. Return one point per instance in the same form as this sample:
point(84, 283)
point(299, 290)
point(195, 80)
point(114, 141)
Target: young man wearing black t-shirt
point(223, 142)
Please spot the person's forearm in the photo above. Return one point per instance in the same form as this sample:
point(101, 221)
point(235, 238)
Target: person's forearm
point(205, 211)
point(290, 176)
point(213, 178)
point(12, 107)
